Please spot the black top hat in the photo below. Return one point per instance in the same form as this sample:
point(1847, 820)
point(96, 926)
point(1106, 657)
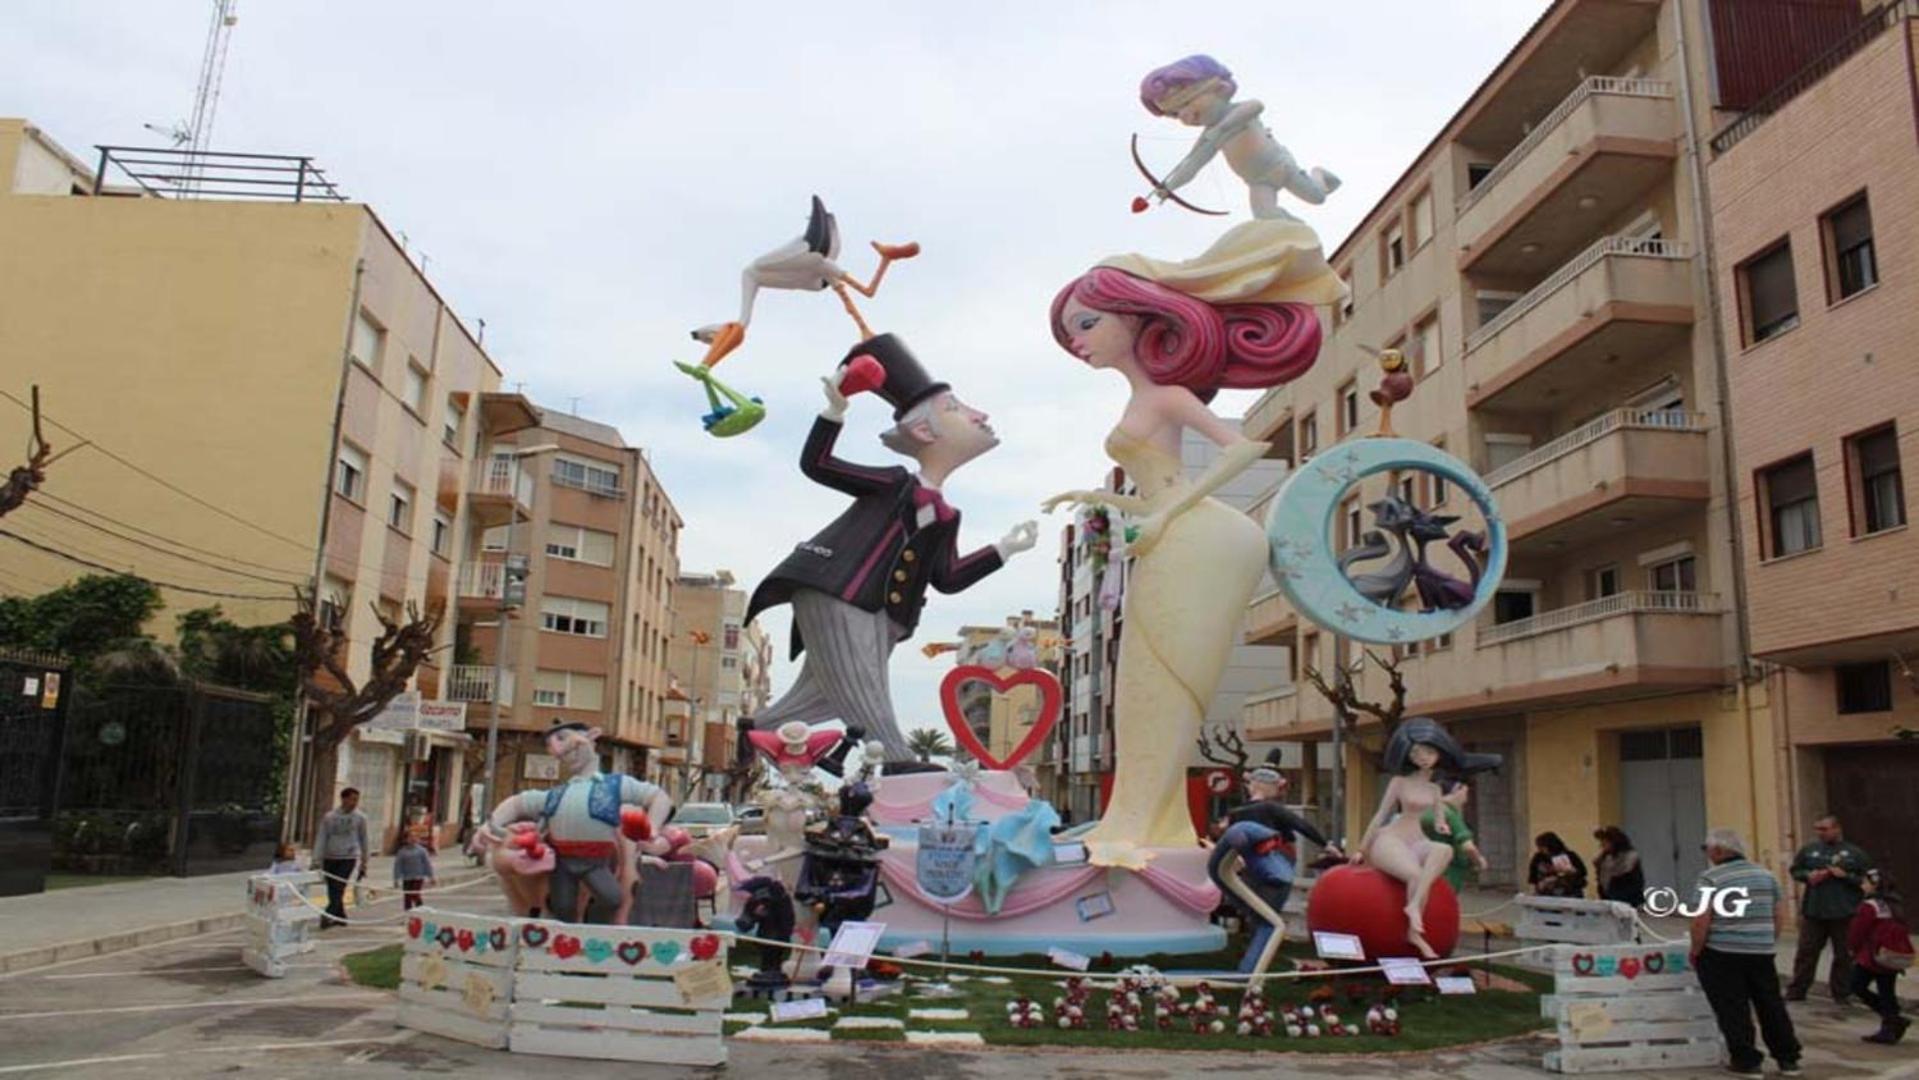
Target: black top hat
point(559, 724)
point(907, 382)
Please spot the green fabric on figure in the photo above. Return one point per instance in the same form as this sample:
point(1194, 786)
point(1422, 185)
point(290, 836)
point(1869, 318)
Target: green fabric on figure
point(1460, 840)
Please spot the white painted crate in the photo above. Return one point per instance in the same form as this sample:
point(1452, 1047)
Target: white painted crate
point(457, 975)
point(1629, 1008)
point(1576, 922)
point(279, 922)
point(614, 993)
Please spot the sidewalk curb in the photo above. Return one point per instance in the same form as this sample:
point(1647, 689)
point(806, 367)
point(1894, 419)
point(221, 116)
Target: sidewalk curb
point(64, 951)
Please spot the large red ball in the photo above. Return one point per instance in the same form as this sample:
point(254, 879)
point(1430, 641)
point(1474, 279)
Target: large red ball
point(1371, 906)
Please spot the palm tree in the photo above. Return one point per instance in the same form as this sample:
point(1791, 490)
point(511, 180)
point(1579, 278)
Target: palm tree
point(928, 743)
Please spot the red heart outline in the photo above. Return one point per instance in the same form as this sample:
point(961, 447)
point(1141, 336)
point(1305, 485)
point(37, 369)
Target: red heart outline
point(631, 952)
point(963, 732)
point(1655, 963)
point(497, 938)
point(1583, 963)
point(533, 934)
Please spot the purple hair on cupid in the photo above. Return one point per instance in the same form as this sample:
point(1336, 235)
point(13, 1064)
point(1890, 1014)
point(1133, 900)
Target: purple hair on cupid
point(1180, 74)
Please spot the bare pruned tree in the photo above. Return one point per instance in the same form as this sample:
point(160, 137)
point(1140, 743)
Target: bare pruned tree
point(26, 479)
point(1223, 746)
point(1348, 706)
point(334, 698)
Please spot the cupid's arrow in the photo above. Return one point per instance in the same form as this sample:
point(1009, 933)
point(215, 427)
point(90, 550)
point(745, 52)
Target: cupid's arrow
point(1141, 205)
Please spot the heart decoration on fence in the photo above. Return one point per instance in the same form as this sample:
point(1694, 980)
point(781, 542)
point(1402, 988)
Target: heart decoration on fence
point(1043, 720)
point(1583, 963)
point(1629, 966)
point(533, 934)
point(704, 946)
point(632, 952)
point(566, 946)
point(1655, 963)
point(497, 938)
point(465, 940)
point(666, 952)
point(413, 927)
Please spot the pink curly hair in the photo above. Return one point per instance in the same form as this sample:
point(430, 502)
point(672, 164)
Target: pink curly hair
point(1185, 341)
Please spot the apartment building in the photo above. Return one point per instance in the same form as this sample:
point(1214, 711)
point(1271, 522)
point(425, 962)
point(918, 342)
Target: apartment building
point(277, 397)
point(1546, 261)
point(1077, 766)
point(586, 630)
point(719, 663)
point(1815, 216)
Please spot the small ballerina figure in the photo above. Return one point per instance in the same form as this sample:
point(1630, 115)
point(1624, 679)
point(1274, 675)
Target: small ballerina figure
point(1397, 846)
point(1198, 92)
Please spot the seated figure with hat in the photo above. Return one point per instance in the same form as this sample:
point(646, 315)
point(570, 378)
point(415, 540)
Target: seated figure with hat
point(857, 586)
point(1263, 834)
point(583, 820)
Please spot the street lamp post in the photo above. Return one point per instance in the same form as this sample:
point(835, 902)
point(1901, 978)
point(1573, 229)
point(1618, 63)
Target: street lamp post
point(507, 603)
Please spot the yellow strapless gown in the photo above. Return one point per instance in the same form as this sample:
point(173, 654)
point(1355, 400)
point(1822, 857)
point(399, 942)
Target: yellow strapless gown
point(1184, 605)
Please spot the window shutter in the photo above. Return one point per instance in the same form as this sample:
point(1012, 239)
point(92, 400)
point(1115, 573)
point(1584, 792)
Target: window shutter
point(1851, 225)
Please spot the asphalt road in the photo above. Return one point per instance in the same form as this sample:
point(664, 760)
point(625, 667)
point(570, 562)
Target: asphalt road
point(190, 1009)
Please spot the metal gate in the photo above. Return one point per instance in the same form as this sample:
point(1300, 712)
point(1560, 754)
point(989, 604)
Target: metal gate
point(1662, 802)
point(34, 691)
point(177, 779)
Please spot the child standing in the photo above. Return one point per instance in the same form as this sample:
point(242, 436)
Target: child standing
point(286, 860)
point(1881, 945)
point(412, 869)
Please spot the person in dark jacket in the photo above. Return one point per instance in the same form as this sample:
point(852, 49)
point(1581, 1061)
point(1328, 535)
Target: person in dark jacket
point(1830, 869)
point(1555, 870)
point(1620, 876)
point(1878, 938)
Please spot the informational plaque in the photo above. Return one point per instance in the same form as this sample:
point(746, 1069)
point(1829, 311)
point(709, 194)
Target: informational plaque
point(946, 860)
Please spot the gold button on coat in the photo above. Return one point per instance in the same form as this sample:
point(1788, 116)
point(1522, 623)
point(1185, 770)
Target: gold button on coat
point(909, 555)
point(899, 575)
point(893, 597)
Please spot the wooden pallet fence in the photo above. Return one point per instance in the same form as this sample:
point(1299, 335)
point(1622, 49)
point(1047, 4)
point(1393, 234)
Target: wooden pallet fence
point(621, 993)
point(457, 975)
point(1575, 922)
point(279, 922)
point(1627, 1008)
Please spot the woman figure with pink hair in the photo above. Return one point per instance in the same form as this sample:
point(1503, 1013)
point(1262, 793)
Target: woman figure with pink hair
point(1239, 316)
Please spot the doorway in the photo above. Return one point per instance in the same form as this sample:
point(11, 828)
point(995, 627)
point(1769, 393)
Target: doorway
point(1870, 790)
point(1489, 811)
point(1662, 799)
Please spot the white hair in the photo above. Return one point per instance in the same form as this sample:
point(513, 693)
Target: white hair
point(1726, 840)
point(900, 438)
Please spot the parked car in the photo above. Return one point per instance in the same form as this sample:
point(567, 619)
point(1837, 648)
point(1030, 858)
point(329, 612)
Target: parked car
point(751, 820)
point(701, 819)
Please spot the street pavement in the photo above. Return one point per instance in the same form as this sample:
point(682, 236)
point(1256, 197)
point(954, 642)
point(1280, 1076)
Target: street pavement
point(188, 1008)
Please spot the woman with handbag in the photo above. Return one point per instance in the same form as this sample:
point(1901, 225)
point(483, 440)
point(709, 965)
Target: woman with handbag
point(1881, 944)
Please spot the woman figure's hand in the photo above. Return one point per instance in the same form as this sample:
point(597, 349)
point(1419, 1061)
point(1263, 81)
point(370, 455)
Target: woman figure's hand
point(1141, 538)
point(1075, 498)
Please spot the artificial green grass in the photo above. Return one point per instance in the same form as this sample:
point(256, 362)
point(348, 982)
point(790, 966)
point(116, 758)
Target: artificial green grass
point(1427, 1020)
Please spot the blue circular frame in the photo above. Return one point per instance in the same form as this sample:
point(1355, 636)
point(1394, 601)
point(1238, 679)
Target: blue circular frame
point(1301, 519)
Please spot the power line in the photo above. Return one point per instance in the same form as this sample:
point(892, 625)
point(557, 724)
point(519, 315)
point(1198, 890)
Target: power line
point(162, 537)
point(57, 553)
point(161, 551)
point(66, 539)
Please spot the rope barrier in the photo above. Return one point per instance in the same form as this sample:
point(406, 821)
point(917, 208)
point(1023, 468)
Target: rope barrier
point(397, 895)
point(1464, 915)
point(1646, 929)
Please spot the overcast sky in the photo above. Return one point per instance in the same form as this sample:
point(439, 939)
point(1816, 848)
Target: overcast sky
point(590, 178)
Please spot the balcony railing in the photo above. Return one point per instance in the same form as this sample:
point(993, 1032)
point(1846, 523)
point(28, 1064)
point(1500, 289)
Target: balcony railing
point(1625, 603)
point(1594, 84)
point(171, 173)
point(1876, 22)
point(484, 579)
point(474, 682)
point(502, 476)
point(1630, 246)
point(1592, 431)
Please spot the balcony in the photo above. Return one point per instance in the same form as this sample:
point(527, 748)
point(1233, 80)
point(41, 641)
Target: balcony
point(1591, 158)
point(1627, 467)
point(482, 581)
point(1621, 297)
point(500, 490)
point(1264, 421)
point(1269, 618)
point(1626, 645)
point(1286, 713)
point(474, 682)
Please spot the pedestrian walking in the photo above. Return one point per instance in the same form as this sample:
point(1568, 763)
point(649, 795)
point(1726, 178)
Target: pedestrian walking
point(1881, 945)
point(1621, 877)
point(343, 850)
point(412, 870)
point(1556, 870)
point(1733, 954)
point(1830, 869)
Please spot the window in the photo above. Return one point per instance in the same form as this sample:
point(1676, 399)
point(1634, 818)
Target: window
point(1491, 303)
point(594, 478)
point(1308, 436)
point(1419, 219)
point(1344, 310)
point(1477, 173)
point(1443, 641)
point(1349, 522)
point(731, 637)
point(1439, 487)
point(1674, 575)
point(1511, 605)
point(413, 390)
point(455, 419)
point(1791, 494)
point(1602, 581)
point(399, 511)
point(1392, 250)
point(1406, 487)
point(336, 598)
point(494, 539)
point(442, 532)
point(1427, 355)
point(1864, 687)
point(1348, 407)
point(369, 339)
point(566, 615)
point(568, 690)
point(1767, 294)
point(1852, 265)
point(580, 544)
point(1878, 497)
point(349, 475)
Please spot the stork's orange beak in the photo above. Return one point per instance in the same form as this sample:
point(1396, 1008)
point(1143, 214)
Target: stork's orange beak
point(728, 339)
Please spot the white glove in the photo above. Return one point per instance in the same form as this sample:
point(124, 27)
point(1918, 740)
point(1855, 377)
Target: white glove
point(835, 401)
point(1020, 538)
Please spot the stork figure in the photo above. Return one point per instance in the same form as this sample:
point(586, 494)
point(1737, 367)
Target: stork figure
point(805, 263)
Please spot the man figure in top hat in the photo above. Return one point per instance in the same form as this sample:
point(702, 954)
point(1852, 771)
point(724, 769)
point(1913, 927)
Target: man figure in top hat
point(582, 819)
point(858, 585)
